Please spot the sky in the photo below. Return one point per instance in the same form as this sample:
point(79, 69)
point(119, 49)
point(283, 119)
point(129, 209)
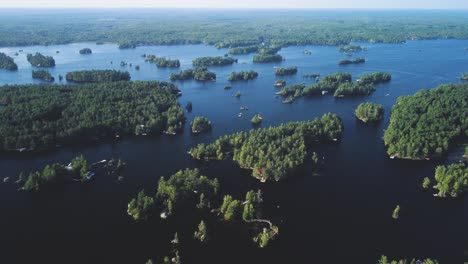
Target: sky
point(380, 4)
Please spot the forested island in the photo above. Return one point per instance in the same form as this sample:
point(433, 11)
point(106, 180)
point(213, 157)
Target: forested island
point(464, 76)
point(257, 119)
point(85, 51)
point(213, 61)
point(97, 76)
point(350, 48)
point(424, 125)
point(285, 71)
point(355, 61)
point(39, 60)
point(267, 58)
point(7, 62)
point(243, 75)
point(243, 50)
point(200, 124)
point(272, 153)
point(451, 180)
point(163, 62)
point(43, 75)
point(369, 112)
point(199, 74)
point(45, 116)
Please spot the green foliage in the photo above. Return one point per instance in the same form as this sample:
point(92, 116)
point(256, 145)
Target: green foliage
point(97, 76)
point(267, 58)
point(7, 62)
point(385, 260)
point(201, 233)
point(40, 60)
point(163, 62)
point(140, 206)
point(353, 89)
point(42, 116)
point(396, 212)
point(274, 152)
point(264, 237)
point(426, 183)
point(199, 74)
point(43, 75)
point(355, 61)
point(257, 119)
point(285, 71)
point(36, 180)
point(243, 50)
point(328, 83)
point(369, 112)
point(213, 61)
point(183, 185)
point(200, 124)
point(243, 76)
point(249, 212)
point(425, 124)
point(350, 48)
point(451, 180)
point(233, 210)
point(375, 78)
point(86, 51)
point(80, 166)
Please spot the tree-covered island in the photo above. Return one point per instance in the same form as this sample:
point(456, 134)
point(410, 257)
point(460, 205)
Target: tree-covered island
point(44, 116)
point(369, 112)
point(97, 76)
point(426, 124)
point(7, 62)
point(42, 75)
point(355, 61)
point(163, 62)
point(243, 76)
point(213, 61)
point(272, 153)
point(85, 51)
point(39, 60)
point(199, 74)
point(200, 124)
point(285, 71)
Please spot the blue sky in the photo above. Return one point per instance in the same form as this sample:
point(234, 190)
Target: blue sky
point(394, 4)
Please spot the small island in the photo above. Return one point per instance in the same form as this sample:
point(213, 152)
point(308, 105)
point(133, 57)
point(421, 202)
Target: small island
point(243, 50)
point(43, 75)
point(200, 124)
point(127, 45)
point(39, 60)
point(163, 62)
point(267, 58)
point(140, 206)
point(213, 61)
point(350, 48)
point(97, 76)
point(7, 62)
point(285, 71)
point(464, 76)
point(199, 74)
point(369, 112)
point(242, 76)
point(355, 61)
point(257, 119)
point(86, 51)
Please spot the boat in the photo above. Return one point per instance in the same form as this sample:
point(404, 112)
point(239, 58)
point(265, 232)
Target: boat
point(163, 215)
point(239, 115)
point(89, 175)
point(280, 83)
point(243, 107)
point(324, 92)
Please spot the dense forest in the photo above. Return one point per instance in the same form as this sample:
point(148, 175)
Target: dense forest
point(7, 62)
point(285, 71)
point(355, 61)
point(213, 61)
point(40, 60)
point(163, 62)
point(85, 51)
point(267, 58)
point(96, 76)
point(153, 27)
point(369, 112)
point(272, 153)
point(44, 116)
point(199, 74)
point(243, 75)
point(451, 180)
point(43, 75)
point(424, 125)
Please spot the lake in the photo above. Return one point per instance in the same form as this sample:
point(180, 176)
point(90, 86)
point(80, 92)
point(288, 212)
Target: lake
point(343, 214)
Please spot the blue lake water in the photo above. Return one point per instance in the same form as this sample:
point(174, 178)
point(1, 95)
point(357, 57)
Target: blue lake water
point(341, 215)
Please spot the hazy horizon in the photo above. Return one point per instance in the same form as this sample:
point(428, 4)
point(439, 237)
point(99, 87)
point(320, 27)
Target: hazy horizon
point(241, 4)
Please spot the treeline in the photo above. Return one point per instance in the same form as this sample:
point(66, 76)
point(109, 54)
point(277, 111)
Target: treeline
point(286, 71)
point(96, 76)
point(40, 60)
point(355, 61)
point(425, 124)
point(308, 28)
point(369, 112)
point(272, 153)
point(243, 50)
point(43, 75)
point(163, 62)
point(267, 58)
point(199, 74)
point(243, 75)
point(213, 61)
point(7, 62)
point(44, 116)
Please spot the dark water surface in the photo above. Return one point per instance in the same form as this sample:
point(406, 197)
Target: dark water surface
point(341, 215)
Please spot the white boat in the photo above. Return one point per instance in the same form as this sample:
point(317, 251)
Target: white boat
point(89, 175)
